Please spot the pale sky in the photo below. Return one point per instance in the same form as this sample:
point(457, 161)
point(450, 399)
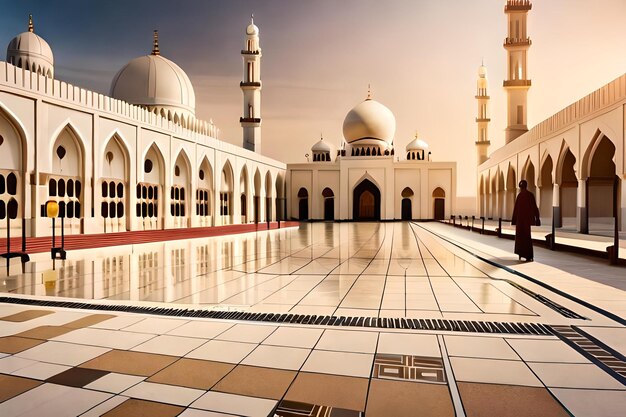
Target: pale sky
point(420, 56)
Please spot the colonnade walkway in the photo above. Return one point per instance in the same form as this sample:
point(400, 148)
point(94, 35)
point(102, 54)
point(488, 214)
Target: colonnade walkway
point(385, 319)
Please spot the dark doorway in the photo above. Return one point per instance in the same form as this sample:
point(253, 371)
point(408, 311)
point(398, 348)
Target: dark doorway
point(406, 209)
point(268, 209)
point(256, 209)
point(440, 208)
point(329, 204)
point(303, 204)
point(329, 209)
point(366, 201)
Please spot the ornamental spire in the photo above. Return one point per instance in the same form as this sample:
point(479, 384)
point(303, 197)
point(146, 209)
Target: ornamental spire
point(155, 43)
point(31, 27)
point(369, 92)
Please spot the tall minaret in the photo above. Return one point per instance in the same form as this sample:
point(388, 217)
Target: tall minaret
point(517, 83)
point(251, 87)
point(482, 117)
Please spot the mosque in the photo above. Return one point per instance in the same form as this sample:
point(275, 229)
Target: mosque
point(574, 161)
point(139, 159)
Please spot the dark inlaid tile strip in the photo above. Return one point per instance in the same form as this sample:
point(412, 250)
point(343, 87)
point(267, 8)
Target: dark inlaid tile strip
point(297, 409)
point(607, 358)
point(535, 329)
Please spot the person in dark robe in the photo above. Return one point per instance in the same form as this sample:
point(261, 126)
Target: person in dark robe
point(525, 214)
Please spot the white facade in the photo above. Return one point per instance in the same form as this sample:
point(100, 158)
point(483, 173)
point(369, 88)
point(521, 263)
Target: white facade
point(366, 180)
point(116, 166)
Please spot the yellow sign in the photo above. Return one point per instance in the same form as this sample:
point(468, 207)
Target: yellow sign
point(52, 208)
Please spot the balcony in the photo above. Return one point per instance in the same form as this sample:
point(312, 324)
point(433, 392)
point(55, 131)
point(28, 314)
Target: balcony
point(478, 120)
point(516, 83)
point(517, 6)
point(250, 84)
point(249, 120)
point(517, 42)
point(244, 52)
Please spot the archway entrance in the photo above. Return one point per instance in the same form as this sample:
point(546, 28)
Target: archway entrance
point(407, 207)
point(439, 209)
point(329, 204)
point(366, 201)
point(303, 204)
point(602, 186)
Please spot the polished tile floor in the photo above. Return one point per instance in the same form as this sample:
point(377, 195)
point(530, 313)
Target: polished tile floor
point(69, 362)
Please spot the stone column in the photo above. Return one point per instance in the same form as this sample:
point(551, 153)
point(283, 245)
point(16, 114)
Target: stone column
point(582, 217)
point(556, 205)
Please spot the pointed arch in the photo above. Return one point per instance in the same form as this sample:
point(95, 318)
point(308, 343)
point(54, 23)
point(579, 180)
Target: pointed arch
point(244, 193)
point(69, 138)
point(280, 197)
point(205, 192)
point(115, 176)
point(226, 192)
point(366, 200)
point(269, 193)
point(546, 188)
point(603, 184)
point(13, 160)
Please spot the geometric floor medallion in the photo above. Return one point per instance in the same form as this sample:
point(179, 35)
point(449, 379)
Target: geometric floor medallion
point(409, 368)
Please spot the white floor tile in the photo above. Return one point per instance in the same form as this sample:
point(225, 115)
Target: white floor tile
point(118, 322)
point(235, 404)
point(339, 363)
point(222, 351)
point(192, 412)
point(164, 393)
point(201, 329)
point(277, 357)
point(248, 333)
point(41, 370)
point(592, 403)
point(10, 364)
point(113, 339)
point(114, 382)
point(294, 337)
point(575, 375)
point(533, 350)
point(479, 347)
point(493, 371)
point(62, 353)
point(409, 344)
point(52, 400)
point(170, 345)
point(348, 341)
point(155, 325)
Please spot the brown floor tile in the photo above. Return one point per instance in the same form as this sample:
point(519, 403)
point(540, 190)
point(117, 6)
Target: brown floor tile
point(508, 400)
point(140, 408)
point(14, 344)
point(408, 399)
point(256, 382)
point(10, 386)
point(77, 377)
point(193, 373)
point(331, 390)
point(132, 363)
point(26, 315)
point(45, 332)
point(89, 320)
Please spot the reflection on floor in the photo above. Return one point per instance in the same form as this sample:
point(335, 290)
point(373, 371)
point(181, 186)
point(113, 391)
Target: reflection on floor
point(66, 362)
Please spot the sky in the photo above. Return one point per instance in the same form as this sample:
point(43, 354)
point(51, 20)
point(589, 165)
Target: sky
point(420, 56)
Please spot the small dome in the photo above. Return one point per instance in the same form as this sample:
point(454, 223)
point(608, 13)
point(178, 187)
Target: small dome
point(482, 71)
point(156, 83)
point(252, 29)
point(30, 51)
point(321, 146)
point(416, 145)
point(369, 120)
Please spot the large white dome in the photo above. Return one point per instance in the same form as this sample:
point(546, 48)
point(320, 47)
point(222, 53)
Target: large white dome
point(157, 83)
point(369, 120)
point(30, 51)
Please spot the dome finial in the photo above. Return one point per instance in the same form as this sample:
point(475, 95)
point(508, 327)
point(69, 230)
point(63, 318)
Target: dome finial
point(369, 91)
point(155, 43)
point(31, 27)
point(416, 134)
point(252, 19)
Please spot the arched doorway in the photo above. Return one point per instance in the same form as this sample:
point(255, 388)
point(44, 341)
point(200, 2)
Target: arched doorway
point(407, 206)
point(366, 201)
point(114, 192)
point(601, 185)
point(12, 163)
point(329, 204)
point(257, 196)
point(204, 194)
point(568, 190)
point(226, 194)
point(303, 204)
point(179, 190)
point(268, 196)
point(511, 193)
point(439, 203)
point(243, 189)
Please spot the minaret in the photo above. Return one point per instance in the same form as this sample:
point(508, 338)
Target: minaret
point(251, 87)
point(482, 118)
point(517, 83)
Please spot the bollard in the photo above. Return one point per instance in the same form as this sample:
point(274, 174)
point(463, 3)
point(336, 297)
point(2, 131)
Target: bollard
point(482, 230)
point(499, 227)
